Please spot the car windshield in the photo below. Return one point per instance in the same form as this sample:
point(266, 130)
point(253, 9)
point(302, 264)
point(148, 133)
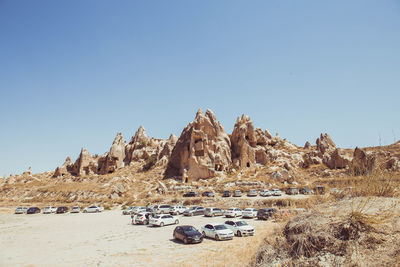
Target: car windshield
point(230, 209)
point(248, 209)
point(156, 217)
point(193, 208)
point(189, 229)
point(241, 223)
point(92, 207)
point(220, 227)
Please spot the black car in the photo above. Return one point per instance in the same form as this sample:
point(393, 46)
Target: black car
point(188, 234)
point(33, 210)
point(208, 194)
point(191, 194)
point(61, 210)
point(265, 214)
point(226, 194)
point(305, 191)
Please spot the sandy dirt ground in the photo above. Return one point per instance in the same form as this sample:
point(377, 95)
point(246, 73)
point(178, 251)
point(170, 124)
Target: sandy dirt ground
point(109, 239)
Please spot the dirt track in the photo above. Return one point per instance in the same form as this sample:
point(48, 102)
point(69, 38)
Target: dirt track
point(109, 239)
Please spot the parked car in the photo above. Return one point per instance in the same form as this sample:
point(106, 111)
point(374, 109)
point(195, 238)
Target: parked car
point(33, 210)
point(265, 214)
point(211, 212)
point(237, 193)
point(226, 194)
point(292, 191)
point(217, 231)
point(320, 190)
point(142, 218)
point(49, 210)
point(265, 193)
point(93, 209)
point(208, 194)
point(188, 234)
point(196, 210)
point(233, 212)
point(75, 209)
point(240, 228)
point(191, 194)
point(177, 209)
point(161, 220)
point(128, 210)
point(305, 191)
point(276, 192)
point(162, 209)
point(249, 213)
point(252, 193)
point(21, 210)
point(61, 209)
point(137, 210)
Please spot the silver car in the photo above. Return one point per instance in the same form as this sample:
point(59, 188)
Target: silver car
point(211, 212)
point(21, 210)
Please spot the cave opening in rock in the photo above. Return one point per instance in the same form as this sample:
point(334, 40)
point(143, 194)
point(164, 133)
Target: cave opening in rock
point(218, 167)
point(248, 164)
point(186, 180)
point(199, 153)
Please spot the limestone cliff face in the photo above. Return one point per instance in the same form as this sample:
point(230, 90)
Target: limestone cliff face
point(202, 149)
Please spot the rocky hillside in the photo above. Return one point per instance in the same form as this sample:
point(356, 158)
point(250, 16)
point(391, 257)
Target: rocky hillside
point(203, 157)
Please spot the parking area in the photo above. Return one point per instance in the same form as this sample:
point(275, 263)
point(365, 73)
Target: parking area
point(109, 239)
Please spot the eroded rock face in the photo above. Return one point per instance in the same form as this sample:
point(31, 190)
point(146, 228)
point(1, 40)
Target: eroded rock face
point(325, 144)
point(202, 149)
point(363, 162)
point(337, 160)
point(114, 159)
point(63, 170)
point(249, 146)
point(135, 150)
point(84, 165)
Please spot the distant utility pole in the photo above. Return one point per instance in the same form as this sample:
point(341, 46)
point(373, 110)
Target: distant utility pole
point(380, 140)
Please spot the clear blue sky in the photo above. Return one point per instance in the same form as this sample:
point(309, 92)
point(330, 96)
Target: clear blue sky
point(74, 73)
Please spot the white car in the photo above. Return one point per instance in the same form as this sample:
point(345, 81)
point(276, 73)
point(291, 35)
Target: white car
point(93, 209)
point(161, 220)
point(49, 209)
point(178, 209)
point(249, 213)
point(127, 211)
point(21, 210)
point(217, 231)
point(137, 210)
point(141, 218)
point(240, 228)
point(75, 209)
point(233, 212)
point(265, 193)
point(276, 192)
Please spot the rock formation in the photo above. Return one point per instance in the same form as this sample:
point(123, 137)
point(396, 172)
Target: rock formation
point(114, 159)
point(84, 165)
point(363, 162)
point(64, 169)
point(337, 160)
point(325, 144)
point(250, 146)
point(202, 149)
point(135, 150)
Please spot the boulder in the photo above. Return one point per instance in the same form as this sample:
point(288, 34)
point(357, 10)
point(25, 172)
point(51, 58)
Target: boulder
point(307, 145)
point(202, 149)
point(393, 164)
point(337, 160)
point(363, 162)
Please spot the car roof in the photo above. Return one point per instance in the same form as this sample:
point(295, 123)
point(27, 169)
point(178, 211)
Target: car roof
point(215, 223)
